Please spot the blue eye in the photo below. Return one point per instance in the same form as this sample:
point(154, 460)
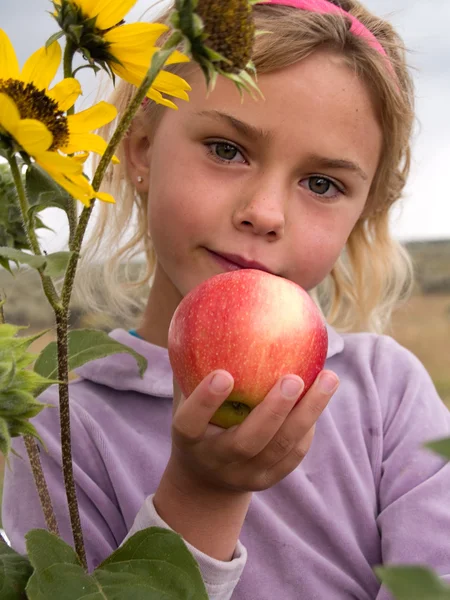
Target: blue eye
point(322, 186)
point(224, 151)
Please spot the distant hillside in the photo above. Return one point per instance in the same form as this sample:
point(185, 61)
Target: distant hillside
point(432, 265)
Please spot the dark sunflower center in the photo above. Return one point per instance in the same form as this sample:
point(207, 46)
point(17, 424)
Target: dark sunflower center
point(230, 30)
point(35, 104)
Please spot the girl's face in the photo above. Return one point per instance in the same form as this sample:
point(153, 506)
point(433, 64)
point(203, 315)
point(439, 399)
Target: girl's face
point(277, 183)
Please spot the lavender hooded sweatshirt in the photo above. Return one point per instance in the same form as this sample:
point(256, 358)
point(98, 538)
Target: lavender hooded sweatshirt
point(367, 492)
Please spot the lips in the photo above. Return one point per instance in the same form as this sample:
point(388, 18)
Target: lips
point(233, 262)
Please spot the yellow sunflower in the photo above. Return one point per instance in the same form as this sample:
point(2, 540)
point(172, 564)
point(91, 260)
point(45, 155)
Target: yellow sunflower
point(32, 118)
point(97, 29)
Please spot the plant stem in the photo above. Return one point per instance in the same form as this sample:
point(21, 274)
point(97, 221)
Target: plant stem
point(69, 52)
point(23, 205)
point(62, 325)
point(41, 485)
point(66, 443)
point(47, 283)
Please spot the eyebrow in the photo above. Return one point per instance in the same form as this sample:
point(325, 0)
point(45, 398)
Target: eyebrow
point(338, 163)
point(257, 134)
point(250, 131)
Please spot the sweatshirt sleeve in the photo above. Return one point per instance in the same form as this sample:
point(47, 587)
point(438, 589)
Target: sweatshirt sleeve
point(414, 484)
point(220, 577)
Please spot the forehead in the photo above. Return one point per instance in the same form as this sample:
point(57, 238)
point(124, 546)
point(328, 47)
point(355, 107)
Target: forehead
point(319, 100)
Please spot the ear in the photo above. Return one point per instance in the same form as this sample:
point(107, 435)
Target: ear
point(137, 148)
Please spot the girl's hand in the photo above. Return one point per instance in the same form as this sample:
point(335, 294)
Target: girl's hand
point(258, 453)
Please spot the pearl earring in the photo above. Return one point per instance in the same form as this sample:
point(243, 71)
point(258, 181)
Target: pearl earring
point(140, 179)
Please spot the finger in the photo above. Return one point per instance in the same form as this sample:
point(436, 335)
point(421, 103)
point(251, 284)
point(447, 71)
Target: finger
point(301, 420)
point(194, 413)
point(177, 396)
point(257, 430)
point(314, 401)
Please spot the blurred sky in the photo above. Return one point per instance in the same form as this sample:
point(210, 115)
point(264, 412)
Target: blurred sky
point(424, 25)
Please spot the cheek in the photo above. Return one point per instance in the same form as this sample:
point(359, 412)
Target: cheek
point(316, 248)
point(180, 210)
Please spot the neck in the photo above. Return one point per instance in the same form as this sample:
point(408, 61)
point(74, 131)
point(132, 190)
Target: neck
point(162, 302)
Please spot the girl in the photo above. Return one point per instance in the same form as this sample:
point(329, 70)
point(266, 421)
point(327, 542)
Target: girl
point(295, 502)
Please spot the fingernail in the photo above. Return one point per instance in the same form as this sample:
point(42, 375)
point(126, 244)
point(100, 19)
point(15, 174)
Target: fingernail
point(327, 382)
point(220, 383)
point(291, 388)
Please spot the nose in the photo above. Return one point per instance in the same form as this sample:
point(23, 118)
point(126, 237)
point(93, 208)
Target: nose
point(262, 212)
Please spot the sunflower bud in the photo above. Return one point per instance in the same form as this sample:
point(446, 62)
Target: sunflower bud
point(19, 386)
point(219, 36)
point(83, 34)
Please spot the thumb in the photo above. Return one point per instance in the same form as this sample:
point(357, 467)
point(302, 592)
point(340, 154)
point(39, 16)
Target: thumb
point(178, 397)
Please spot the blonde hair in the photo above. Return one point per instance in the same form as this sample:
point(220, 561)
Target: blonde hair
point(374, 272)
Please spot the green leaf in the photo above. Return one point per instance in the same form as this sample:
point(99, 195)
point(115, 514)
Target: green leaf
point(174, 568)
point(47, 200)
point(42, 189)
point(22, 257)
point(5, 438)
point(84, 345)
point(5, 264)
point(154, 564)
point(54, 38)
point(15, 571)
point(53, 265)
point(56, 263)
point(441, 447)
point(413, 583)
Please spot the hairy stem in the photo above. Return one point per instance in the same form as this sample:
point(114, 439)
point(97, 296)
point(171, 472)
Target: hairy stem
point(47, 283)
point(41, 485)
point(69, 52)
point(66, 443)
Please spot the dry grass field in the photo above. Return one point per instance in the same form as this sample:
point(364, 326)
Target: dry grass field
point(423, 326)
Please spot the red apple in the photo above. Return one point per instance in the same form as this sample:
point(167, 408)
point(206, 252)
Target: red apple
point(256, 326)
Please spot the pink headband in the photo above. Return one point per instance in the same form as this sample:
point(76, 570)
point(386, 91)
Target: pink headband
point(326, 7)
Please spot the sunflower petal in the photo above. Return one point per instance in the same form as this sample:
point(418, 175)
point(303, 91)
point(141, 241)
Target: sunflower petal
point(108, 12)
point(9, 66)
point(77, 185)
point(87, 141)
point(139, 59)
point(152, 93)
point(159, 99)
point(104, 197)
point(92, 118)
point(62, 164)
point(177, 57)
point(135, 37)
point(9, 114)
point(172, 84)
point(165, 82)
point(79, 188)
point(33, 136)
point(65, 93)
point(42, 66)
point(81, 157)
